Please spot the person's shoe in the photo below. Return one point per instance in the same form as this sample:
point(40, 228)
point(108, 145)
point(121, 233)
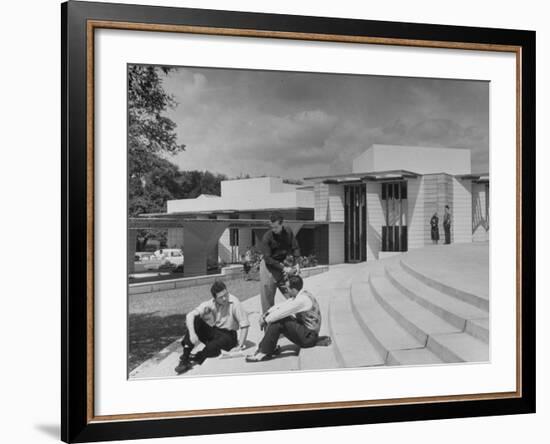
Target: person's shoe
point(183, 366)
point(257, 357)
point(323, 341)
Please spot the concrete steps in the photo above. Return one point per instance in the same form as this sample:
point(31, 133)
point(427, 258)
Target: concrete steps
point(478, 328)
point(453, 310)
point(458, 347)
point(414, 318)
point(378, 313)
point(318, 358)
point(351, 347)
point(414, 356)
point(442, 338)
point(383, 331)
point(393, 342)
point(465, 296)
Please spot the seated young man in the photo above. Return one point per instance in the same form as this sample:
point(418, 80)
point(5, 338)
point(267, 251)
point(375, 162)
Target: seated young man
point(214, 323)
point(298, 318)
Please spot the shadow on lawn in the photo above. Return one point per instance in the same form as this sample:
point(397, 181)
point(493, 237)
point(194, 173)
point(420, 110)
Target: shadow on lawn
point(150, 333)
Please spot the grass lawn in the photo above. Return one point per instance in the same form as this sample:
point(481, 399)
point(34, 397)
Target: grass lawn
point(157, 319)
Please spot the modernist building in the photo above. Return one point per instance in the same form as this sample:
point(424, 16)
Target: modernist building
point(383, 206)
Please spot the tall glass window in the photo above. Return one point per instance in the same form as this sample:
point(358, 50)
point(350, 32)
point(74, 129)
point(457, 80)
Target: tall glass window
point(394, 204)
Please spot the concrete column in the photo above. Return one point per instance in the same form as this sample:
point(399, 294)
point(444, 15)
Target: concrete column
point(321, 201)
point(335, 203)
point(375, 220)
point(294, 226)
point(416, 219)
point(175, 238)
point(200, 239)
point(245, 240)
point(461, 211)
point(259, 234)
point(336, 245)
point(224, 247)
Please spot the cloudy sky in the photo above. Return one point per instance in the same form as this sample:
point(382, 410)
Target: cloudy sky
point(296, 125)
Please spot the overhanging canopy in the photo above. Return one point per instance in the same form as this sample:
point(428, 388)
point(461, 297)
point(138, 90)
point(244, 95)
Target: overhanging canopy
point(175, 221)
point(366, 176)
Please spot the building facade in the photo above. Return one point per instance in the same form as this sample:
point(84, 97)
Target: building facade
point(387, 200)
point(382, 207)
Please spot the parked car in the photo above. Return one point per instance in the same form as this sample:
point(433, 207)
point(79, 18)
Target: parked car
point(170, 256)
point(142, 256)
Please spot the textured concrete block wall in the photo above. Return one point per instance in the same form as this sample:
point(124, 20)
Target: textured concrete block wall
point(175, 238)
point(336, 247)
point(462, 211)
point(375, 220)
point(245, 240)
point(224, 247)
point(336, 203)
point(321, 201)
point(416, 218)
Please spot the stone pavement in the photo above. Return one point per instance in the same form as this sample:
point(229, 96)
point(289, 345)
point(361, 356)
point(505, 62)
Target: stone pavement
point(427, 306)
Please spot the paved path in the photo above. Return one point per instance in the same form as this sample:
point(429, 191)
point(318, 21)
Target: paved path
point(416, 308)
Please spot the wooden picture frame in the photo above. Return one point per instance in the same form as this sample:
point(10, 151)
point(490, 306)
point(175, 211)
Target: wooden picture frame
point(79, 22)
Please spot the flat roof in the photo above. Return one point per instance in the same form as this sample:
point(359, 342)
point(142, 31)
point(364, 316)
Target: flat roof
point(226, 211)
point(475, 177)
point(179, 221)
point(369, 175)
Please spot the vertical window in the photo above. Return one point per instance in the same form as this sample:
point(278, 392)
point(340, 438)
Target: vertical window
point(234, 237)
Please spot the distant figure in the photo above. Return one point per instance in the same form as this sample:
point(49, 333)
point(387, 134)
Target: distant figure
point(447, 224)
point(434, 224)
point(246, 267)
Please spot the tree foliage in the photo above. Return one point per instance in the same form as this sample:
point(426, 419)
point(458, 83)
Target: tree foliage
point(150, 136)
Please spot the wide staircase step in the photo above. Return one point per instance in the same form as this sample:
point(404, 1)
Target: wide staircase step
point(449, 308)
point(384, 332)
point(418, 321)
point(478, 328)
point(413, 356)
point(446, 341)
point(317, 358)
point(352, 347)
point(457, 293)
point(459, 347)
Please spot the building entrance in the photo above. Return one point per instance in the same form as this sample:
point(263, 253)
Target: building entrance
point(355, 222)
point(394, 204)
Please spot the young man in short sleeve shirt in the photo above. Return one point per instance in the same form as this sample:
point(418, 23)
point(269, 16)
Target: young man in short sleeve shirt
point(220, 323)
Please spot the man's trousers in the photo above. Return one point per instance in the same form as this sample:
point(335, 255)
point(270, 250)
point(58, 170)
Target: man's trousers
point(214, 339)
point(290, 328)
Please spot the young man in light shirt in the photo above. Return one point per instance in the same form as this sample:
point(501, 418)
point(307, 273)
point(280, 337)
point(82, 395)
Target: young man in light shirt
point(298, 318)
point(214, 323)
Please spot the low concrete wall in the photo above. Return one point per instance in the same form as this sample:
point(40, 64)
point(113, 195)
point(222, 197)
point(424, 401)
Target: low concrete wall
point(228, 273)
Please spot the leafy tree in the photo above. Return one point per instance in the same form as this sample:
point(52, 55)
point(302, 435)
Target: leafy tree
point(150, 136)
point(150, 133)
point(194, 183)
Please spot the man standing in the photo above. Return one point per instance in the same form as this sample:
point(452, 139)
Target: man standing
point(447, 224)
point(277, 244)
point(214, 323)
point(298, 318)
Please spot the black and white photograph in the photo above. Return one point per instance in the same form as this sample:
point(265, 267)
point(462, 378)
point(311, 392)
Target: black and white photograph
point(284, 221)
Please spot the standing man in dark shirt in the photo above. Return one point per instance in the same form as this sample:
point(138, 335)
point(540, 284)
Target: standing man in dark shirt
point(277, 244)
